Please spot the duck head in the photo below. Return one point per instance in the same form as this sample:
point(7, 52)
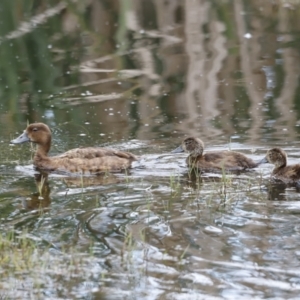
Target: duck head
point(191, 145)
point(275, 156)
point(38, 133)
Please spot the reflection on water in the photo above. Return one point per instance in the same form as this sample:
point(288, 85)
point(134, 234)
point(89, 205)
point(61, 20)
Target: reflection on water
point(40, 199)
point(139, 76)
point(234, 73)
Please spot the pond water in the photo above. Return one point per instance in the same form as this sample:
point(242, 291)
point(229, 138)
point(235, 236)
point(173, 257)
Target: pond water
point(140, 76)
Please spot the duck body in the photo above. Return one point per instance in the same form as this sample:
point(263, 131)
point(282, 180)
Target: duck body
point(282, 172)
point(228, 160)
point(90, 160)
point(215, 160)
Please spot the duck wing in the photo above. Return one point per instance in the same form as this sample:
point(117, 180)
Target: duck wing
point(229, 160)
point(90, 160)
point(94, 152)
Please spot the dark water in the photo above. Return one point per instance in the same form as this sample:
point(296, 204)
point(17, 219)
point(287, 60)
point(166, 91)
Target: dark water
point(140, 76)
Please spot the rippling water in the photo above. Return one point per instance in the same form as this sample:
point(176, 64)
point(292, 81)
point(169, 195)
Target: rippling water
point(160, 232)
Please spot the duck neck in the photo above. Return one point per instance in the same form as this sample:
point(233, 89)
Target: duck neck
point(282, 164)
point(192, 158)
point(279, 166)
point(42, 150)
point(195, 154)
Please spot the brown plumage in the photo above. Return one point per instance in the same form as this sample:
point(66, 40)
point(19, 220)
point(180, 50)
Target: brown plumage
point(91, 160)
point(214, 160)
point(287, 174)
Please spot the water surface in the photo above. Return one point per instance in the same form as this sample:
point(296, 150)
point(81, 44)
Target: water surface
point(140, 76)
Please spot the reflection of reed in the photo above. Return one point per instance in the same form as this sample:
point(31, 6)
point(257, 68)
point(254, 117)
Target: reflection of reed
point(290, 60)
point(175, 52)
point(29, 53)
point(202, 74)
point(195, 19)
point(40, 199)
point(26, 27)
point(249, 52)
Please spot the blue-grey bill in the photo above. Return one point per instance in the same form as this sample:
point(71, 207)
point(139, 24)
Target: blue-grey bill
point(178, 150)
point(21, 139)
point(263, 161)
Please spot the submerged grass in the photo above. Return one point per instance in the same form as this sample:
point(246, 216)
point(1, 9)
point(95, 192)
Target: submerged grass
point(29, 270)
point(15, 253)
point(225, 189)
point(175, 184)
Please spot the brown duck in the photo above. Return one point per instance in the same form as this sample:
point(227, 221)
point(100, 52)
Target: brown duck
point(287, 174)
point(91, 160)
point(214, 160)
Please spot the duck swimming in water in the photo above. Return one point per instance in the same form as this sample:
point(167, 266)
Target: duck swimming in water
point(214, 160)
point(91, 160)
point(287, 174)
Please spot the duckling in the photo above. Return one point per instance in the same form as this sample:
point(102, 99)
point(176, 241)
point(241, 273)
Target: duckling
point(90, 160)
point(214, 160)
point(286, 174)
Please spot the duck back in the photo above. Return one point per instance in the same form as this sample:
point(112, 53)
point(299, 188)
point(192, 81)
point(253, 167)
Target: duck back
point(289, 174)
point(219, 160)
point(94, 152)
point(86, 161)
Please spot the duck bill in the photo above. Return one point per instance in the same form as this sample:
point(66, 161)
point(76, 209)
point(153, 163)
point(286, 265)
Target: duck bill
point(178, 150)
point(23, 138)
point(263, 161)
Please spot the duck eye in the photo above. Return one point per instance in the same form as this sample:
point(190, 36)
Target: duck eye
point(34, 129)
